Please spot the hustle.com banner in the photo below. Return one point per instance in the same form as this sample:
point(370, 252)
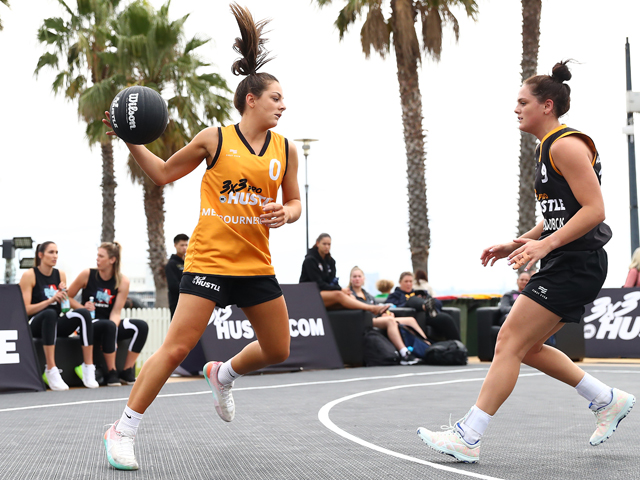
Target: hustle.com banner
point(312, 343)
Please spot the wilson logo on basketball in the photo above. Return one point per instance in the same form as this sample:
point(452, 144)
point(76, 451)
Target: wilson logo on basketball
point(132, 108)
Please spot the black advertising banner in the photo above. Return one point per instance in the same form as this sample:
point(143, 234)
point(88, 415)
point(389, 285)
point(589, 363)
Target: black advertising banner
point(19, 370)
point(612, 324)
point(312, 343)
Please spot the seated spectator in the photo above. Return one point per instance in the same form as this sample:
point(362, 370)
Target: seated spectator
point(509, 298)
point(384, 287)
point(387, 321)
point(405, 296)
point(109, 289)
point(633, 277)
point(421, 282)
point(320, 267)
point(44, 289)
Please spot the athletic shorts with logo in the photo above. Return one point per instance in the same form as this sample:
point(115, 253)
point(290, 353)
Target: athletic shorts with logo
point(568, 281)
point(240, 291)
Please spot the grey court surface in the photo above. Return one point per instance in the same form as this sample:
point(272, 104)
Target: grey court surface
point(340, 424)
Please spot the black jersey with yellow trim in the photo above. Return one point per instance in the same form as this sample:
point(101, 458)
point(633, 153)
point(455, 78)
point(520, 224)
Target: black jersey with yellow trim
point(557, 202)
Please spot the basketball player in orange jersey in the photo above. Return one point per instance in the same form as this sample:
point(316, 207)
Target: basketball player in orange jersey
point(569, 242)
point(228, 260)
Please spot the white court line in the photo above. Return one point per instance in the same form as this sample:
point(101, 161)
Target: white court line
point(263, 387)
point(323, 416)
point(287, 385)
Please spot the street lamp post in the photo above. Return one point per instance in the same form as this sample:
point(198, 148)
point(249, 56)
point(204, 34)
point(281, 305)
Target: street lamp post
point(305, 150)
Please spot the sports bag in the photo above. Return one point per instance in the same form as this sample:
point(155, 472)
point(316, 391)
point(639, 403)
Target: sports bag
point(449, 352)
point(413, 340)
point(378, 350)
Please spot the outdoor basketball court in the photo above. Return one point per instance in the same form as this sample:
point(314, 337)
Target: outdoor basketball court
point(333, 424)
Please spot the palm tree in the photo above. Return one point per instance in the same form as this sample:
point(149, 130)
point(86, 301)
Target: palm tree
point(79, 54)
point(5, 2)
point(531, 10)
point(152, 51)
point(399, 28)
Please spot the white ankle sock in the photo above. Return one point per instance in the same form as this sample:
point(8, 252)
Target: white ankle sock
point(227, 374)
point(594, 390)
point(129, 421)
point(474, 424)
point(403, 351)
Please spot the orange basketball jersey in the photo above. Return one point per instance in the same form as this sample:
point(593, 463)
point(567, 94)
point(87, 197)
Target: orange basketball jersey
point(229, 239)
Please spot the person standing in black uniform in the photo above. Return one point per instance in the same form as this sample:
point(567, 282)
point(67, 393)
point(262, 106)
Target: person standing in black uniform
point(174, 268)
point(109, 289)
point(569, 243)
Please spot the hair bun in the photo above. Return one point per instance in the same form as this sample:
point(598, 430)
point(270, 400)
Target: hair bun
point(561, 72)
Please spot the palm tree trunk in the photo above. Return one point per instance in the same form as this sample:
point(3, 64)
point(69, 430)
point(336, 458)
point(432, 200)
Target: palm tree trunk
point(108, 193)
point(154, 210)
point(531, 10)
point(411, 102)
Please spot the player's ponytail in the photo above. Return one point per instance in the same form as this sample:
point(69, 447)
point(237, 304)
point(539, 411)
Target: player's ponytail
point(114, 250)
point(250, 45)
point(553, 87)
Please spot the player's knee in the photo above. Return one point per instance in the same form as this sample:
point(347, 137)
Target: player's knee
point(177, 353)
point(277, 355)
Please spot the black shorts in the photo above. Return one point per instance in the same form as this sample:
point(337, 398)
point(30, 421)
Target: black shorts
point(568, 281)
point(240, 291)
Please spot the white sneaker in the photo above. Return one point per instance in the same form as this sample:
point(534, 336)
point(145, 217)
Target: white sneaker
point(53, 379)
point(609, 416)
point(222, 397)
point(450, 442)
point(119, 448)
point(87, 374)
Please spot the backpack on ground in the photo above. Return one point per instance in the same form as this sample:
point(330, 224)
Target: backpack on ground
point(413, 340)
point(449, 352)
point(378, 350)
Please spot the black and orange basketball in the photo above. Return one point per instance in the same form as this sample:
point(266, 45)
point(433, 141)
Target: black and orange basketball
point(139, 115)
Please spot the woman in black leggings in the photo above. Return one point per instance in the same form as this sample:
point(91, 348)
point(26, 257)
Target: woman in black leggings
point(104, 292)
point(44, 291)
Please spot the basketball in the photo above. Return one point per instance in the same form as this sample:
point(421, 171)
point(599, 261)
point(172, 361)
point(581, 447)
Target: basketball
point(139, 115)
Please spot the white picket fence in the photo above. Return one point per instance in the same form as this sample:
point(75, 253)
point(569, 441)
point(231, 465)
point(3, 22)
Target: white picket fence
point(158, 320)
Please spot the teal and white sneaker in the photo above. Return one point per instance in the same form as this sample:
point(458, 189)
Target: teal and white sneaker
point(119, 447)
point(450, 442)
point(609, 416)
point(222, 397)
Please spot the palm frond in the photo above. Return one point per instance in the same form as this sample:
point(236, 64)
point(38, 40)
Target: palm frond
point(46, 60)
point(375, 32)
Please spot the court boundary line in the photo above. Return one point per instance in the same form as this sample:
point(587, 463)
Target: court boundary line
point(323, 417)
point(241, 389)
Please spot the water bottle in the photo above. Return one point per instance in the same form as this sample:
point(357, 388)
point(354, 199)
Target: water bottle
point(65, 305)
point(93, 312)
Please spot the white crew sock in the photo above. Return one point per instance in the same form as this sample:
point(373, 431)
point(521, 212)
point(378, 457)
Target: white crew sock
point(594, 391)
point(404, 351)
point(129, 421)
point(226, 373)
point(473, 425)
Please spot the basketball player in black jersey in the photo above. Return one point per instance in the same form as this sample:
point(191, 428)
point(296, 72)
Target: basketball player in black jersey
point(569, 243)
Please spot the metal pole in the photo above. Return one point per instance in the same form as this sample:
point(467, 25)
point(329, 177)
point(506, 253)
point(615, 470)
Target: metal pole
point(306, 200)
point(633, 189)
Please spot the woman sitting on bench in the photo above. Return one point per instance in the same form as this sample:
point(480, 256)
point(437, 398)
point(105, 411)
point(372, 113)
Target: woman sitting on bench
point(44, 291)
point(387, 321)
point(320, 267)
point(109, 290)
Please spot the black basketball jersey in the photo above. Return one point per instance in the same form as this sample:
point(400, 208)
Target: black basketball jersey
point(557, 202)
point(45, 288)
point(104, 293)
